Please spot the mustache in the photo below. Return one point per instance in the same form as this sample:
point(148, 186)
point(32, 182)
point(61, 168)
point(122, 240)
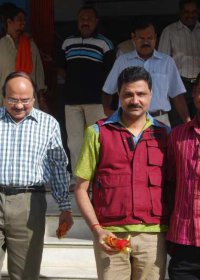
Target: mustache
point(18, 110)
point(85, 25)
point(134, 106)
point(146, 45)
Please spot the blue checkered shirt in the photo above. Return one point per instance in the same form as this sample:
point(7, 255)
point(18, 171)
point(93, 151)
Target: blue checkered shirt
point(31, 153)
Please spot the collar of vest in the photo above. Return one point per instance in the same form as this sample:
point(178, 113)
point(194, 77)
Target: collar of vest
point(152, 132)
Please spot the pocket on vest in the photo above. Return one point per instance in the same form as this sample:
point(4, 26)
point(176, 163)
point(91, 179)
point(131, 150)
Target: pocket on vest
point(112, 196)
point(156, 192)
point(156, 157)
point(155, 153)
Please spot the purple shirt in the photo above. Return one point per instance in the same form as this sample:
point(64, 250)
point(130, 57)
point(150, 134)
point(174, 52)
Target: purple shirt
point(184, 184)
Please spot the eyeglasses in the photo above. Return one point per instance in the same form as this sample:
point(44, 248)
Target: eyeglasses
point(15, 101)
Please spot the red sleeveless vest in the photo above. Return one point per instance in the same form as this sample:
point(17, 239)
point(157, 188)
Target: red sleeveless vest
point(128, 187)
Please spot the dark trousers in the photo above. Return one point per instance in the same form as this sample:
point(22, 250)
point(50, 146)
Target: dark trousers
point(189, 99)
point(184, 263)
point(173, 115)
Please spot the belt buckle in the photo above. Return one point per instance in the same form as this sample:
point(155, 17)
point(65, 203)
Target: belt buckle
point(193, 81)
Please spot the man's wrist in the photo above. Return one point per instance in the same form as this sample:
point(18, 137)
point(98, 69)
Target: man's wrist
point(94, 226)
point(67, 210)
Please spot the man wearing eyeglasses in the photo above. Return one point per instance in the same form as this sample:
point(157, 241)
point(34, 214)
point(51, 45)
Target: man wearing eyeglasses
point(166, 79)
point(183, 182)
point(32, 155)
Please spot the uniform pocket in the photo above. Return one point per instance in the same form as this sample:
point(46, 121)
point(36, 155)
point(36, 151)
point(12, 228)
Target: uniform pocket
point(112, 196)
point(156, 193)
point(155, 153)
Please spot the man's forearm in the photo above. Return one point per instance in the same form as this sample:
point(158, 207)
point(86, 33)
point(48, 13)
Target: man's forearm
point(89, 215)
point(84, 202)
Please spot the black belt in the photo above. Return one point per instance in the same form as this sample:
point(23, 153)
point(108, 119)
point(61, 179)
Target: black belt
point(189, 80)
point(158, 113)
point(8, 190)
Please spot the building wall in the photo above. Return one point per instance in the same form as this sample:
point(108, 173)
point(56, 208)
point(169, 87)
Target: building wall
point(66, 10)
point(20, 3)
point(116, 17)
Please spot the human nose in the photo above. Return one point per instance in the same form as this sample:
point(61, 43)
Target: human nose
point(19, 104)
point(134, 99)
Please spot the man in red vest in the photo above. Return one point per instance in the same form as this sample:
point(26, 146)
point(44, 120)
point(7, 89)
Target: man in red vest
point(123, 159)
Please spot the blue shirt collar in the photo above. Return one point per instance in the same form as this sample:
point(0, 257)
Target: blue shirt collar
point(116, 117)
point(134, 54)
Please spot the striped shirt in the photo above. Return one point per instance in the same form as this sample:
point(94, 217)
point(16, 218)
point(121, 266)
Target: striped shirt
point(92, 48)
point(183, 44)
point(87, 61)
point(184, 184)
point(165, 76)
point(31, 153)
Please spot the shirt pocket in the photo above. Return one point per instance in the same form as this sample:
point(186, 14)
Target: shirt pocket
point(112, 197)
point(156, 152)
point(156, 156)
point(156, 193)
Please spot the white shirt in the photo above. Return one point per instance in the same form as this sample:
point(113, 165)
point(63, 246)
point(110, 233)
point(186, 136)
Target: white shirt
point(178, 41)
point(166, 81)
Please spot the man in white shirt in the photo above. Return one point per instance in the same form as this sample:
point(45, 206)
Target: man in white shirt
point(181, 40)
point(166, 79)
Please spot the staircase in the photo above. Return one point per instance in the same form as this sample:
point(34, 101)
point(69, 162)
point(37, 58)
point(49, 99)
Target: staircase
point(70, 258)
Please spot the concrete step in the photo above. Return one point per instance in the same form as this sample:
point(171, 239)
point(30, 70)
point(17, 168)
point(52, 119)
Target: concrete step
point(69, 257)
point(66, 258)
point(79, 229)
point(52, 207)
